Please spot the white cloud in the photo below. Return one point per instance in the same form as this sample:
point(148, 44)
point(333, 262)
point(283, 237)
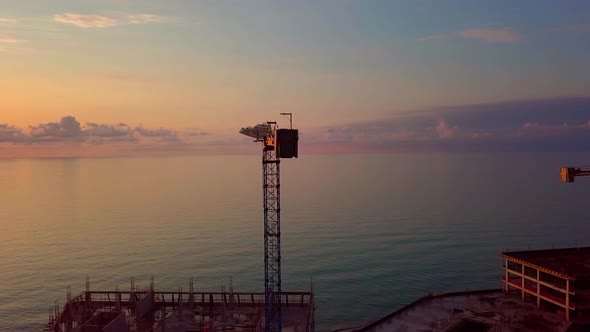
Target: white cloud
point(505, 35)
point(100, 21)
point(11, 41)
point(86, 21)
point(145, 19)
point(6, 21)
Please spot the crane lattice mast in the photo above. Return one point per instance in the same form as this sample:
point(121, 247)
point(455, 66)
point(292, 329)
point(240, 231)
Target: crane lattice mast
point(277, 143)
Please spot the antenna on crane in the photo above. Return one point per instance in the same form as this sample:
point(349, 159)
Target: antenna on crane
point(276, 143)
point(290, 116)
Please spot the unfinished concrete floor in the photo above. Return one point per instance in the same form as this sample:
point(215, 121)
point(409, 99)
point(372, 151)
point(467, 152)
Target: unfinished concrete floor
point(491, 311)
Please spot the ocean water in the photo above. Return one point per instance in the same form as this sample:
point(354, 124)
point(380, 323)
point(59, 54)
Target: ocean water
point(373, 232)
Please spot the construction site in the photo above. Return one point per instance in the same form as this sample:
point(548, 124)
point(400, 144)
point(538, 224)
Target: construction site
point(150, 310)
point(543, 290)
point(177, 311)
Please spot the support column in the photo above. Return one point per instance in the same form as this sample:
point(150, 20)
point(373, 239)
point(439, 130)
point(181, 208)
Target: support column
point(522, 280)
point(87, 309)
point(118, 307)
point(68, 310)
point(506, 275)
point(538, 288)
point(87, 295)
point(567, 299)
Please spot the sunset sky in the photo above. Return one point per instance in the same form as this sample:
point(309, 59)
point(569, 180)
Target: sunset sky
point(123, 77)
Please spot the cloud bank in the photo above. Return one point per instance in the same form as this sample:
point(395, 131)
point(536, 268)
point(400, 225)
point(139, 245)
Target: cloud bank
point(551, 124)
point(70, 138)
point(10, 134)
point(70, 130)
point(554, 124)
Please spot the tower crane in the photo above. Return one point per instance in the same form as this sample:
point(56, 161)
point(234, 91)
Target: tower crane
point(276, 144)
point(568, 174)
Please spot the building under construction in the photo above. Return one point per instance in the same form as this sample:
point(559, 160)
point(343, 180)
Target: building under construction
point(543, 290)
point(177, 311)
point(557, 279)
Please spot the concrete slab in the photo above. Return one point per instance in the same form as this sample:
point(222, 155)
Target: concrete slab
point(476, 311)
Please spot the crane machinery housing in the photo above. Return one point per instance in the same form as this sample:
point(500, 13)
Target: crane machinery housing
point(568, 174)
point(276, 144)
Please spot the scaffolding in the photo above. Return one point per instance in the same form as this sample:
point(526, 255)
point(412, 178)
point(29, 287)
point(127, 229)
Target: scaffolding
point(155, 310)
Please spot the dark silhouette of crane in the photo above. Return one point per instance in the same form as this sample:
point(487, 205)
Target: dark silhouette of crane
point(568, 174)
point(276, 144)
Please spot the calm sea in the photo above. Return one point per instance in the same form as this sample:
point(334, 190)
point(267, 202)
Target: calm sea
point(374, 232)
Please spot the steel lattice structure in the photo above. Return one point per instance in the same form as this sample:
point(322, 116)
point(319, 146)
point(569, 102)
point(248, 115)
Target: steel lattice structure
point(272, 238)
point(277, 143)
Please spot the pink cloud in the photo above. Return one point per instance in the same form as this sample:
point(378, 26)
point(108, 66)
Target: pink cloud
point(6, 21)
point(100, 21)
point(11, 41)
point(86, 20)
point(504, 35)
point(444, 131)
